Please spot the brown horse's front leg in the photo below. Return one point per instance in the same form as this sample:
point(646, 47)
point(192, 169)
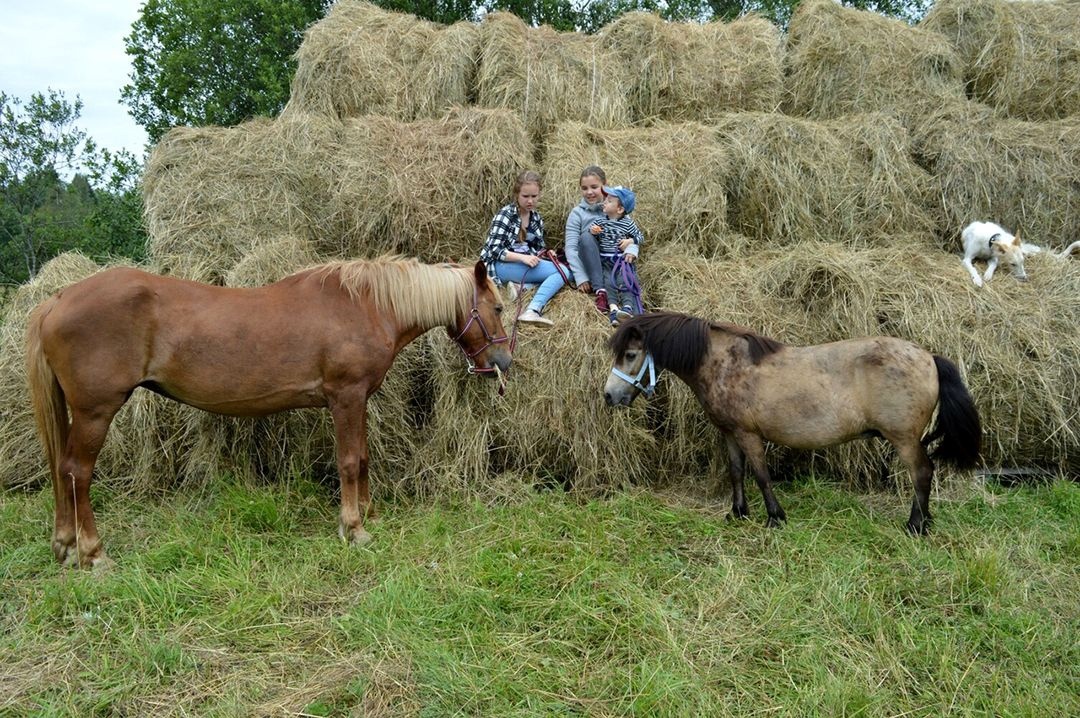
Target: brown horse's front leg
point(737, 469)
point(350, 430)
point(754, 451)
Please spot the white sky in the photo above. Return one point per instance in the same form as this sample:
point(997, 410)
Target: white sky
point(76, 46)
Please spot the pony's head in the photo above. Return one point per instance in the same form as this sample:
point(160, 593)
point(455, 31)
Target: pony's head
point(479, 332)
point(647, 343)
point(1010, 253)
point(634, 369)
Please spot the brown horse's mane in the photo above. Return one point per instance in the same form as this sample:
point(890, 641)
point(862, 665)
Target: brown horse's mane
point(417, 294)
point(679, 342)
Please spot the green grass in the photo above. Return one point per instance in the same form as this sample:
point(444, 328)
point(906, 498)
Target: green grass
point(235, 600)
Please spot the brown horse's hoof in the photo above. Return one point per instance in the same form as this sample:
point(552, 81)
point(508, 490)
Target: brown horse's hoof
point(354, 535)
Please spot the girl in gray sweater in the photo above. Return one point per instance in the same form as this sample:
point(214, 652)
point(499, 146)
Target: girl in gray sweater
point(582, 249)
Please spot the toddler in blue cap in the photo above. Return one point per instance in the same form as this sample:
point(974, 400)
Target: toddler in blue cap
point(620, 239)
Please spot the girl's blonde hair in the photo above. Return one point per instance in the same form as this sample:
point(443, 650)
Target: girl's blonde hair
point(526, 177)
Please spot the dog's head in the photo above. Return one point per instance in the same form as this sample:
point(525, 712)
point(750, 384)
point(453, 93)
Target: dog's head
point(1010, 253)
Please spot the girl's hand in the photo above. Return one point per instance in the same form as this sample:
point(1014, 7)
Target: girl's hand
point(530, 260)
point(585, 288)
point(595, 229)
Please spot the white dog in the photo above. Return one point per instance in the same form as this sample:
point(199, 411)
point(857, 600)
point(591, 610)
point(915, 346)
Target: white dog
point(986, 240)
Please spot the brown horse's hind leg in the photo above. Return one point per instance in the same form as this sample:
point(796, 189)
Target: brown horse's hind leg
point(913, 454)
point(75, 536)
point(350, 429)
point(737, 469)
point(754, 450)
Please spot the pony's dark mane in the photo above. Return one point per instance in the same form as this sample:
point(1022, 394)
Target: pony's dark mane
point(678, 342)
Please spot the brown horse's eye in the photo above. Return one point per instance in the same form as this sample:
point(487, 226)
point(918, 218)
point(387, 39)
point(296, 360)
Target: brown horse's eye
point(498, 308)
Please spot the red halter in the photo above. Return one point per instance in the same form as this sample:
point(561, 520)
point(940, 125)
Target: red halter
point(474, 316)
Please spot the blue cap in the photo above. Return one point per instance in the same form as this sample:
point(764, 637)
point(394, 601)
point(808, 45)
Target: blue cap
point(625, 195)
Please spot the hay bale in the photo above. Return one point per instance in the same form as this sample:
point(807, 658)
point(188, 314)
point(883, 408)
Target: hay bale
point(850, 181)
point(1020, 57)
point(1020, 364)
point(551, 425)
point(427, 188)
point(678, 172)
point(694, 71)
point(271, 260)
point(547, 76)
point(212, 192)
point(1019, 174)
point(361, 59)
point(842, 61)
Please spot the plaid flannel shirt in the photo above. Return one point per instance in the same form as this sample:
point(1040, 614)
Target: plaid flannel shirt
point(505, 228)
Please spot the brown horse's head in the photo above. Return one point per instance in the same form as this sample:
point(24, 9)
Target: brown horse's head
point(480, 332)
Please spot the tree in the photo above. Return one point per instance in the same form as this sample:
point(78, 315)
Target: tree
point(213, 62)
point(99, 211)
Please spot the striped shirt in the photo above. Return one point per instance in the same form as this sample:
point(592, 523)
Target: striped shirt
point(614, 231)
point(505, 236)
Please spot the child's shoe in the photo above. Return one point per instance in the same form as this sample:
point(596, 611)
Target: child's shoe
point(613, 316)
point(601, 301)
point(623, 313)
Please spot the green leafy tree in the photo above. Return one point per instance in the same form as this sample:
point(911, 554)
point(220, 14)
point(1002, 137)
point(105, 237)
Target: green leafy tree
point(41, 215)
point(213, 62)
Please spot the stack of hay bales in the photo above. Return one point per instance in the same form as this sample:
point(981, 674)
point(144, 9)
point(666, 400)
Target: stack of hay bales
point(843, 62)
point(361, 59)
point(679, 71)
point(212, 193)
point(849, 180)
point(678, 169)
point(836, 219)
point(1022, 58)
point(426, 188)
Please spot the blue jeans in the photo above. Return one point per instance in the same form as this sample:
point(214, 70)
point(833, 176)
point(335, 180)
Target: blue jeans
point(545, 274)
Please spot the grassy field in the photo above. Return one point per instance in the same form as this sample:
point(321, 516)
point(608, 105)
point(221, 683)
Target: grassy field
point(233, 600)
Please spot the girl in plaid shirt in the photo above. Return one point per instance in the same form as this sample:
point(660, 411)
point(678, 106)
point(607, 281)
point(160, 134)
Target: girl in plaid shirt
point(514, 240)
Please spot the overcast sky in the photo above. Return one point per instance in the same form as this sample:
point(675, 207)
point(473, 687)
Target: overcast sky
point(76, 46)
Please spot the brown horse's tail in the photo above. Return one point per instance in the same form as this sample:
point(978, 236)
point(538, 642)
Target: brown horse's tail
point(46, 395)
point(958, 424)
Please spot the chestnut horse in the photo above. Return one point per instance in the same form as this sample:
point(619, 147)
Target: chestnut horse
point(754, 388)
point(325, 336)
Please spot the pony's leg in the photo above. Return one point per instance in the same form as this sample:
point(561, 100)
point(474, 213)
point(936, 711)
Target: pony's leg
point(754, 450)
point(75, 536)
point(913, 454)
point(350, 430)
point(737, 469)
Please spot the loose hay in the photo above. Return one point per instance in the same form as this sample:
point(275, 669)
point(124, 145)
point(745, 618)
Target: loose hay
point(211, 193)
point(1016, 344)
point(547, 76)
point(678, 172)
point(842, 61)
point(850, 181)
point(694, 71)
point(361, 59)
point(1020, 57)
point(551, 424)
point(426, 189)
point(1019, 174)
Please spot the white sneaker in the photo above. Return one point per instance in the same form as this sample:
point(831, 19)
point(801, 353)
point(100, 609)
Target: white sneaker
point(533, 317)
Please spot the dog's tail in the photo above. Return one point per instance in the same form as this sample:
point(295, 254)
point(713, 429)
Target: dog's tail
point(1072, 249)
point(958, 424)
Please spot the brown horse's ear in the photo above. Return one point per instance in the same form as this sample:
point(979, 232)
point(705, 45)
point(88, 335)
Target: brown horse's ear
point(481, 272)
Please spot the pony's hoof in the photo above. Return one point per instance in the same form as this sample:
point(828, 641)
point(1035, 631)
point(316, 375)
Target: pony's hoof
point(775, 522)
point(920, 528)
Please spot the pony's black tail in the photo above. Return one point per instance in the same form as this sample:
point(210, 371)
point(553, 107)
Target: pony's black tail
point(958, 424)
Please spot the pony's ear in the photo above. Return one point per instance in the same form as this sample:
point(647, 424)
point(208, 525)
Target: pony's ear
point(481, 273)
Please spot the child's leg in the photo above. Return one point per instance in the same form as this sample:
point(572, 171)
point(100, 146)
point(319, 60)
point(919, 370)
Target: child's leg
point(606, 266)
point(589, 254)
point(547, 275)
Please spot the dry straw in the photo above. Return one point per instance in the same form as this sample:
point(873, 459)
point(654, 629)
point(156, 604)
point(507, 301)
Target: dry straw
point(361, 59)
point(427, 188)
point(1022, 175)
point(1022, 58)
point(551, 424)
point(211, 193)
point(693, 71)
point(1021, 365)
point(842, 61)
point(678, 172)
point(851, 181)
point(547, 76)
